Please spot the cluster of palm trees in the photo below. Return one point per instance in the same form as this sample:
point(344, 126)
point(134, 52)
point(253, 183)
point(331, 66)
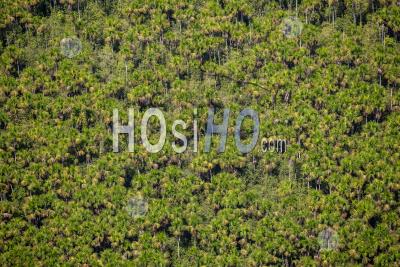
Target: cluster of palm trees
point(331, 91)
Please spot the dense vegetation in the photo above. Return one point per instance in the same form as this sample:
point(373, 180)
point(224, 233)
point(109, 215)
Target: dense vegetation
point(332, 92)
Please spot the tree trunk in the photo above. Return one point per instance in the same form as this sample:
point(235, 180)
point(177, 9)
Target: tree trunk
point(126, 74)
point(391, 98)
point(179, 239)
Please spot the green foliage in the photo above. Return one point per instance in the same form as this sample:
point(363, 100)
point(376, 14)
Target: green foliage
point(332, 92)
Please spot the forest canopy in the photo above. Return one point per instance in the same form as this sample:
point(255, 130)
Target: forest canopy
point(323, 75)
